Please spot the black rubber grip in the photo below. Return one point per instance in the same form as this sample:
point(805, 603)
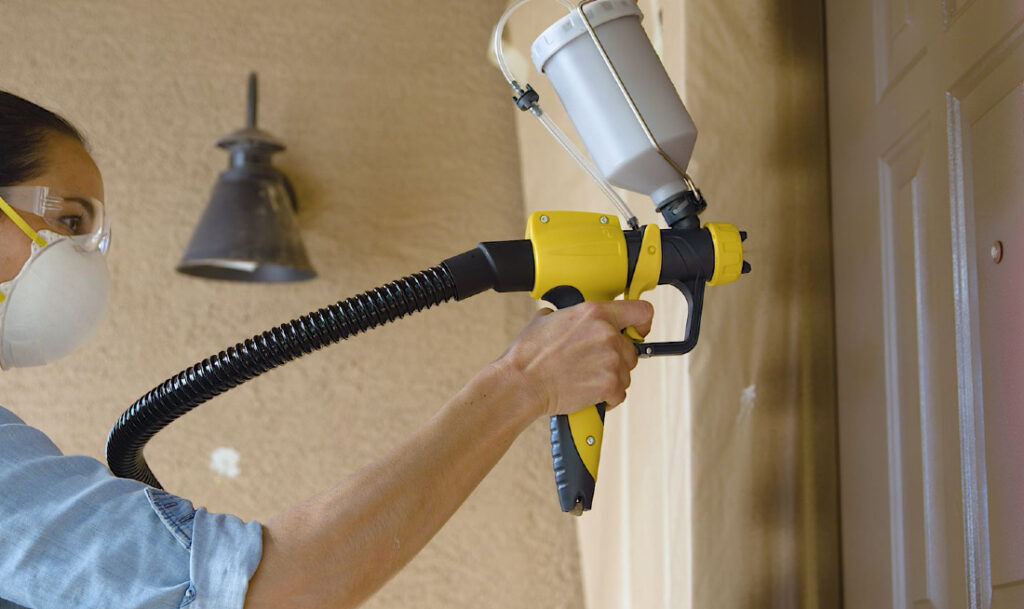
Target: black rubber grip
point(573, 481)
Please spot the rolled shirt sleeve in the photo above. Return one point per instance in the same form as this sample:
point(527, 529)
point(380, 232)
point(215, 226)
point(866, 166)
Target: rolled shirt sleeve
point(74, 536)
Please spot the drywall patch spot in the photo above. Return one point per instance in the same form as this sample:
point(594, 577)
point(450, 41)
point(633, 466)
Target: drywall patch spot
point(747, 399)
point(224, 461)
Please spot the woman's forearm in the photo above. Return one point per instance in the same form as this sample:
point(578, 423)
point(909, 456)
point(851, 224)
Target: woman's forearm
point(337, 548)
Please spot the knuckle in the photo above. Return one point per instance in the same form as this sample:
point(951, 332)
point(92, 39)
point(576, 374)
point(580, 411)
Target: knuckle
point(590, 310)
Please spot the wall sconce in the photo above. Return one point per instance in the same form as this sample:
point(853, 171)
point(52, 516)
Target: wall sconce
point(248, 231)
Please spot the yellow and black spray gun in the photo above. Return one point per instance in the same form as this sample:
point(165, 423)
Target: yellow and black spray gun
point(573, 257)
point(640, 136)
point(567, 258)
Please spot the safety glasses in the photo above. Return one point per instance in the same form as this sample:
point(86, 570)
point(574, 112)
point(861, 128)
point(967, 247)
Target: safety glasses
point(81, 218)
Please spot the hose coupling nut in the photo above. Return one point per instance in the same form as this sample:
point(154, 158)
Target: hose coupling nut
point(527, 98)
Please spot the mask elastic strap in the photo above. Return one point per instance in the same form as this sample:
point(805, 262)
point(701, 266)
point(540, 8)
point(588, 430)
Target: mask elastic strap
point(25, 228)
point(20, 223)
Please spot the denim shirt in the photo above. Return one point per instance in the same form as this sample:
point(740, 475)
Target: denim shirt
point(72, 536)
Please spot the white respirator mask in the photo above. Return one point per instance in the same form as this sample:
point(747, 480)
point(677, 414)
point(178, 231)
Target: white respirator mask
point(57, 299)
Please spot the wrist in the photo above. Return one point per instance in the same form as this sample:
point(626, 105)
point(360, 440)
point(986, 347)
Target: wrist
point(526, 402)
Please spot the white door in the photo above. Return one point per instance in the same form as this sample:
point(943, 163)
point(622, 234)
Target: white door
point(926, 103)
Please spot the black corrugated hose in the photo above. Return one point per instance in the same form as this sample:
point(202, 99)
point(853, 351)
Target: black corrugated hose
point(191, 387)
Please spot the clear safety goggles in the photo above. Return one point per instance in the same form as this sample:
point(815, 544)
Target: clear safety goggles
point(81, 218)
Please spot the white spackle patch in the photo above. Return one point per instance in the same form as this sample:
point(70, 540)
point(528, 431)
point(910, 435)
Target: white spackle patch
point(746, 402)
point(224, 461)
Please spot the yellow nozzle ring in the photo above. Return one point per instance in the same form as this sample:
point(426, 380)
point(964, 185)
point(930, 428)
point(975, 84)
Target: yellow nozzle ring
point(728, 252)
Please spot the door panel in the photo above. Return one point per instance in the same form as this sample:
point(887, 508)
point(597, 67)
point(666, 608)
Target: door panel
point(901, 209)
point(930, 393)
point(986, 114)
point(899, 41)
point(998, 155)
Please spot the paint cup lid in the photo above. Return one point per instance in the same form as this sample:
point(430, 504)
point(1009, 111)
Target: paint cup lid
point(571, 27)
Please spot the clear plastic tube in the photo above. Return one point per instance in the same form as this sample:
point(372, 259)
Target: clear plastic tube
point(620, 206)
point(591, 170)
point(499, 30)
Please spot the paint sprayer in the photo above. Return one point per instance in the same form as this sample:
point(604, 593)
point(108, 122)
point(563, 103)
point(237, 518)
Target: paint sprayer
point(640, 137)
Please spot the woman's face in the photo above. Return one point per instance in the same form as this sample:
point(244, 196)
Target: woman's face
point(70, 172)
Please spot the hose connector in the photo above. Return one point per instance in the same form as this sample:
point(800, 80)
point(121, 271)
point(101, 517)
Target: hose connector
point(526, 99)
point(681, 211)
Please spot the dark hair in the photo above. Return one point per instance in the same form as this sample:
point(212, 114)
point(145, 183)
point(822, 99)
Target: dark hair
point(24, 128)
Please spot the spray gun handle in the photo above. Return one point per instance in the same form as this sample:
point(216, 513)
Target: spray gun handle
point(693, 292)
point(575, 438)
point(574, 482)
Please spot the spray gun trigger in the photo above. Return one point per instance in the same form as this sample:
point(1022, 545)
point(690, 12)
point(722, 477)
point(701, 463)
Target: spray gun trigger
point(647, 271)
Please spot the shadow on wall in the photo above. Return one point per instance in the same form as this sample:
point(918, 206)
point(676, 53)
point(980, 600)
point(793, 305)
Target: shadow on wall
point(763, 422)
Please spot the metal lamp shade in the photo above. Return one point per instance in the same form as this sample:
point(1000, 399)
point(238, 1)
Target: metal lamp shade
point(248, 232)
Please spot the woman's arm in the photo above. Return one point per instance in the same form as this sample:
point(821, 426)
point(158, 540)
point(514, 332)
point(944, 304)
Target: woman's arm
point(337, 548)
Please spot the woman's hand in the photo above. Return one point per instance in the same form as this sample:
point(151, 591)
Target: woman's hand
point(572, 358)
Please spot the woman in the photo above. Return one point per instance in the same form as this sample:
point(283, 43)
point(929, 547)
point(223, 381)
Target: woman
point(72, 535)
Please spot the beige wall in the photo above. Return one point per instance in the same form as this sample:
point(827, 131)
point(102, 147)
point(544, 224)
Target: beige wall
point(756, 84)
point(718, 483)
point(402, 149)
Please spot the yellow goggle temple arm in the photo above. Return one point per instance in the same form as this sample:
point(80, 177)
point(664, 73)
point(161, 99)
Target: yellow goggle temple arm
point(20, 223)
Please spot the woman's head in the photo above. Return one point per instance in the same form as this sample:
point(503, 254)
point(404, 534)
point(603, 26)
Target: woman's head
point(25, 129)
point(53, 275)
point(39, 148)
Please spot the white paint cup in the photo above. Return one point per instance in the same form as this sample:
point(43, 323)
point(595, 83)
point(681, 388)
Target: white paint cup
point(599, 111)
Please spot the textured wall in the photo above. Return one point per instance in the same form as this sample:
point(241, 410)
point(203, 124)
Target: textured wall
point(718, 483)
point(765, 474)
point(402, 149)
